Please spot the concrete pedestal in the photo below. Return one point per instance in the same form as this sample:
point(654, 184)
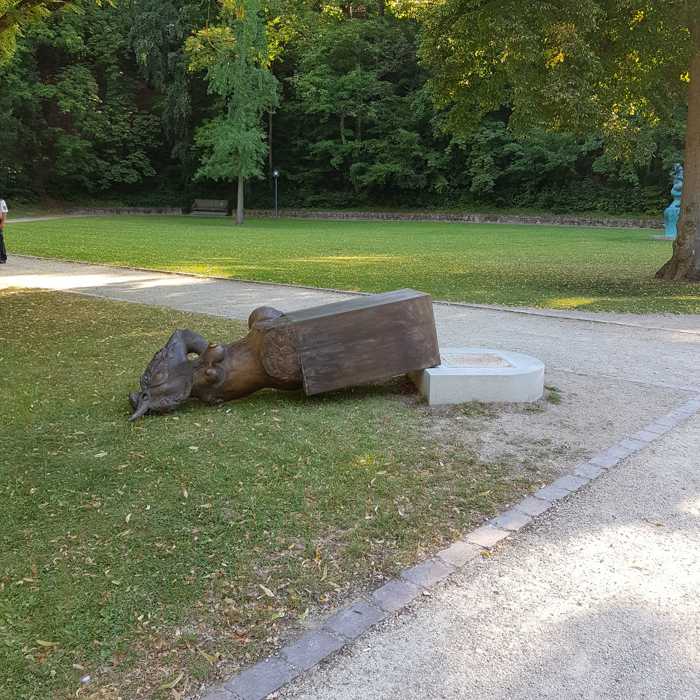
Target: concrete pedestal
point(481, 374)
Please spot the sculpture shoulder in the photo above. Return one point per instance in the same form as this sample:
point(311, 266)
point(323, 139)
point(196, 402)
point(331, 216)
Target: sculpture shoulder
point(263, 314)
point(278, 347)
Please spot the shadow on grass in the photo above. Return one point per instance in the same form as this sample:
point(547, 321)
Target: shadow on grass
point(398, 387)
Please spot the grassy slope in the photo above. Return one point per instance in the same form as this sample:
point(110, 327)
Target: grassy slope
point(136, 553)
point(554, 267)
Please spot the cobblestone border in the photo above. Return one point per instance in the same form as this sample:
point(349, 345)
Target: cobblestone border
point(350, 622)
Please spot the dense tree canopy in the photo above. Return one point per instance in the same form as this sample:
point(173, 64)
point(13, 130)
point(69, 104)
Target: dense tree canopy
point(15, 15)
point(74, 115)
point(118, 101)
point(616, 67)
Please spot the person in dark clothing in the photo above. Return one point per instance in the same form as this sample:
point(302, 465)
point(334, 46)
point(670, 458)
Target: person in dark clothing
point(3, 216)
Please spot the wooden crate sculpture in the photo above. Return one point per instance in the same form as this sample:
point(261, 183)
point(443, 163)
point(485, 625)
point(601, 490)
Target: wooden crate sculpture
point(359, 341)
point(363, 340)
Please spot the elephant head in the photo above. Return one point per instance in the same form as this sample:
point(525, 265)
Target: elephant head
point(167, 381)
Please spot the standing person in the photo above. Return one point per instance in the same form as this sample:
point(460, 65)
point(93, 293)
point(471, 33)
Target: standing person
point(3, 216)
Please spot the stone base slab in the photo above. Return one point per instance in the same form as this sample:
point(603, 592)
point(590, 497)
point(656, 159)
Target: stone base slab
point(481, 374)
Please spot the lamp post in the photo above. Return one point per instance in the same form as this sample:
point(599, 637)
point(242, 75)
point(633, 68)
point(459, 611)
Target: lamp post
point(276, 175)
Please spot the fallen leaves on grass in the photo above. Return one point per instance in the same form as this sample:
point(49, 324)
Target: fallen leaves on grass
point(261, 524)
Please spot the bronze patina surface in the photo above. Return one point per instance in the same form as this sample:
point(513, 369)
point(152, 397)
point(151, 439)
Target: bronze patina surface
point(321, 349)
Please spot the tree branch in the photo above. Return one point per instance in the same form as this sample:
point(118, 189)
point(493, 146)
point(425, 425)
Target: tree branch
point(12, 18)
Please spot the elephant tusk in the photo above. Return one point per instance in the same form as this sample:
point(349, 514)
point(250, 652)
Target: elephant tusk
point(142, 410)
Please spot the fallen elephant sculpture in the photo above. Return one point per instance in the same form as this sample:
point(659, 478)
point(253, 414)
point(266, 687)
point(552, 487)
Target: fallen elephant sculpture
point(324, 348)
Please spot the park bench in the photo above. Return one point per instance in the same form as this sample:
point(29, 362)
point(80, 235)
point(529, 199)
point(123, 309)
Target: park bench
point(210, 207)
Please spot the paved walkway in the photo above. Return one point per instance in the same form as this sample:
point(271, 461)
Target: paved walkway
point(43, 217)
point(598, 600)
point(653, 350)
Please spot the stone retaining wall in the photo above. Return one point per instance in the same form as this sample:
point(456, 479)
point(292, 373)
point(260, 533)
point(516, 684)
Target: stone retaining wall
point(102, 211)
point(546, 219)
point(340, 215)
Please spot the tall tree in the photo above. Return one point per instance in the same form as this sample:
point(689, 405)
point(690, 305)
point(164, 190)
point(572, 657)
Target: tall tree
point(16, 15)
point(106, 84)
point(614, 65)
point(157, 35)
point(237, 62)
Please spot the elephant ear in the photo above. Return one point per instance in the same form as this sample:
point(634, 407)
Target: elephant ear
point(279, 353)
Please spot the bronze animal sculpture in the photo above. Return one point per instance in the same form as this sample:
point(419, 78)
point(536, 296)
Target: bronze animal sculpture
point(320, 349)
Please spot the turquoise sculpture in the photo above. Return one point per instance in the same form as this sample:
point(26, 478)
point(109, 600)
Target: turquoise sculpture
point(673, 211)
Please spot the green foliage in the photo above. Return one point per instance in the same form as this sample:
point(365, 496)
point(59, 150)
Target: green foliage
point(372, 130)
point(561, 172)
point(16, 15)
point(236, 60)
point(124, 101)
point(157, 35)
point(592, 65)
point(71, 120)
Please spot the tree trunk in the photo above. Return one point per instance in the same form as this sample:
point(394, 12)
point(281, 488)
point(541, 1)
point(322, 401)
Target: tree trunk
point(342, 129)
point(239, 201)
point(685, 263)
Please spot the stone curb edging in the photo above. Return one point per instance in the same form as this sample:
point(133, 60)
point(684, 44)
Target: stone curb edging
point(350, 622)
point(445, 217)
point(461, 218)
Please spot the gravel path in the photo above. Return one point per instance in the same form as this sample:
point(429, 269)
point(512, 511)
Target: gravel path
point(43, 217)
point(598, 600)
point(183, 292)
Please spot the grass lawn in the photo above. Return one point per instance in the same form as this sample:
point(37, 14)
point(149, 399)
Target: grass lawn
point(546, 266)
point(170, 551)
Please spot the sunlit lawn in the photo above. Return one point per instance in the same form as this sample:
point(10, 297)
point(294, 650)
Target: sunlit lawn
point(178, 548)
point(545, 266)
